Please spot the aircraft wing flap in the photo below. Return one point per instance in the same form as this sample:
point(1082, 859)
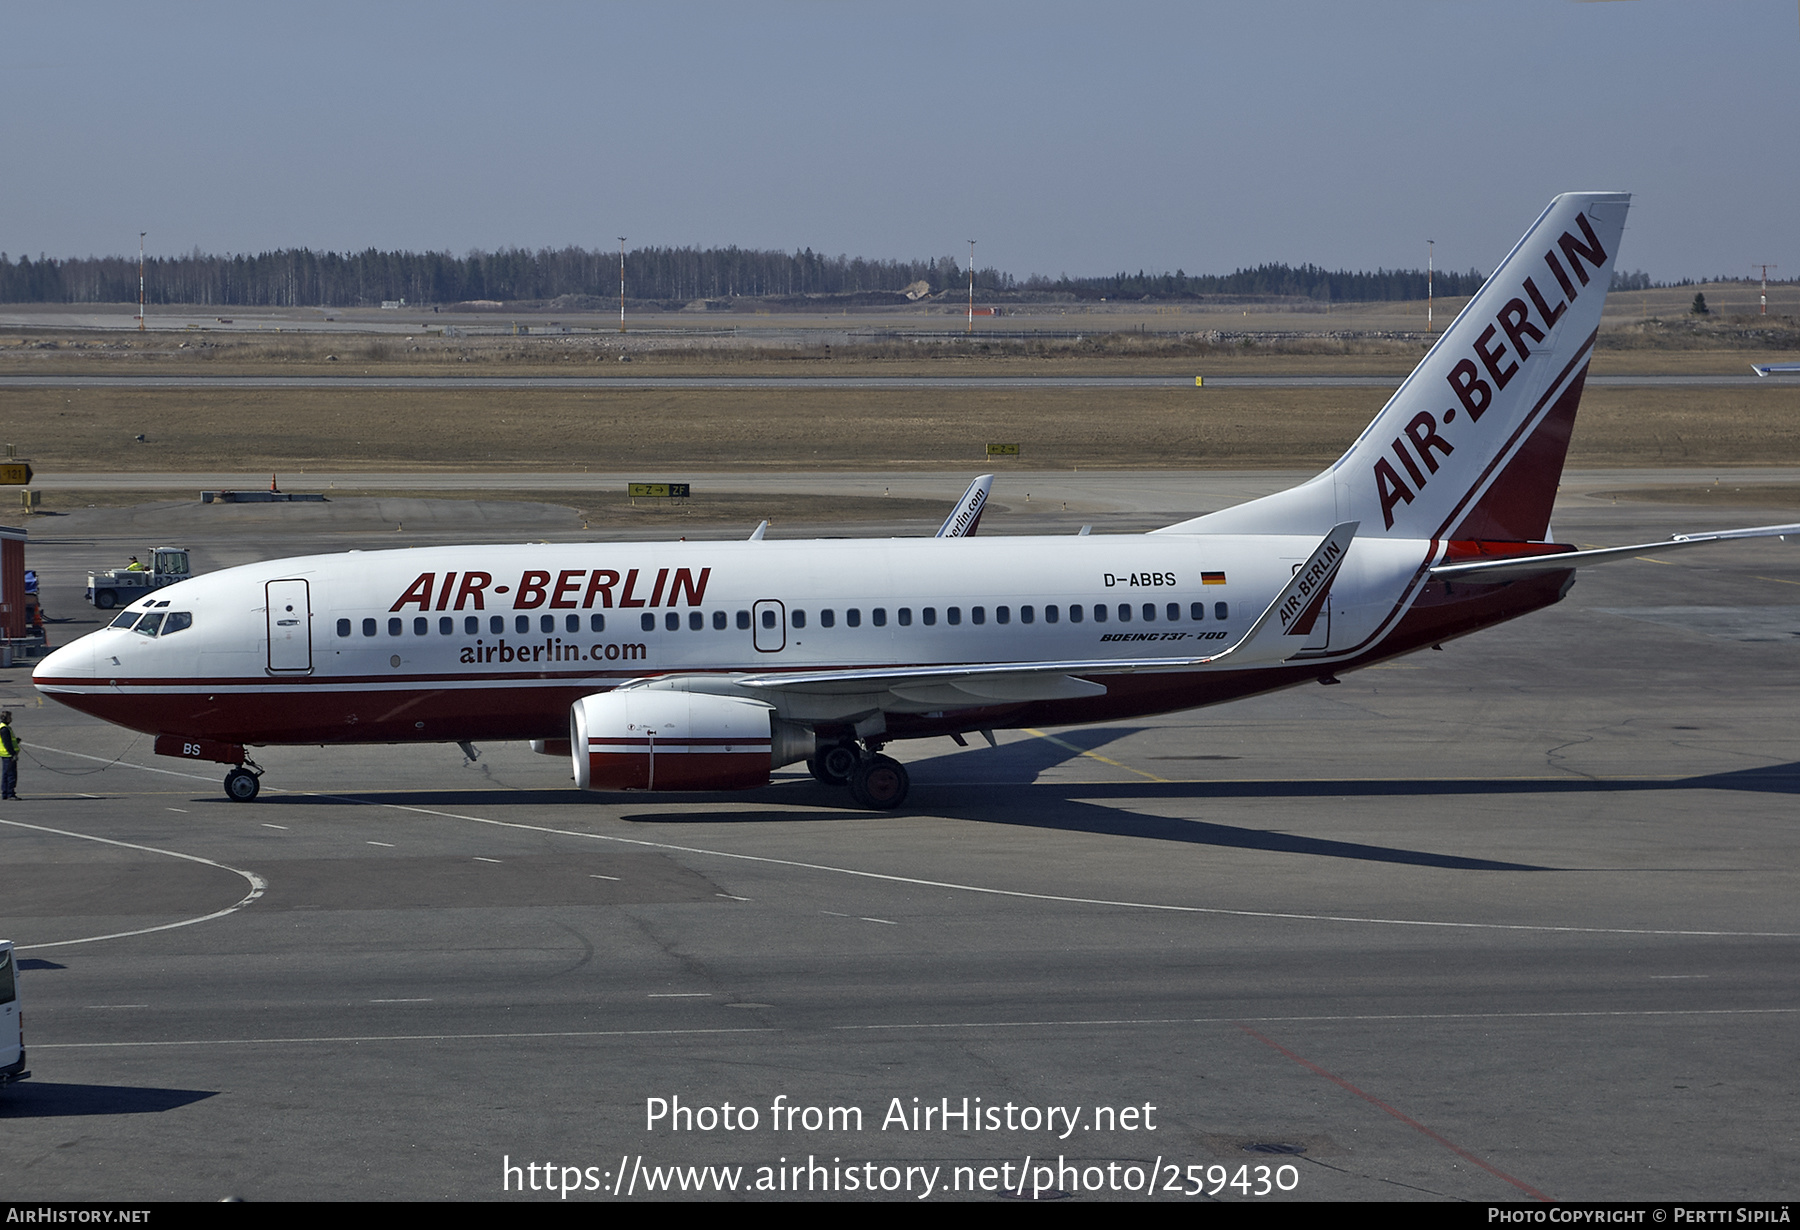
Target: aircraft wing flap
point(1537, 565)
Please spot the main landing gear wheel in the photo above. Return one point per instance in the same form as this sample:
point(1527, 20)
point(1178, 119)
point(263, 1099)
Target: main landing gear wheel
point(241, 785)
point(835, 764)
point(880, 783)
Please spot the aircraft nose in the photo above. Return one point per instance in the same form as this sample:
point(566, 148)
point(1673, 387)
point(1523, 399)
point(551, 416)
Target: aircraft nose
point(74, 661)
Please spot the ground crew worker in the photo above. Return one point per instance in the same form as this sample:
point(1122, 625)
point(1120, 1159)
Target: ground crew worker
point(9, 758)
point(134, 566)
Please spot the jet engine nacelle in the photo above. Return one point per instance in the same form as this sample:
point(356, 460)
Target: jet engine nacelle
point(657, 739)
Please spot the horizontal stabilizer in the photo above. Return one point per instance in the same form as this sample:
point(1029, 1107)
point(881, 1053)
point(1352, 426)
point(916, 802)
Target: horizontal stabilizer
point(1537, 565)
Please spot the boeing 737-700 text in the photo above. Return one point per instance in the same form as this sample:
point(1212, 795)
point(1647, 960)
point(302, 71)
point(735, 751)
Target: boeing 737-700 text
point(697, 666)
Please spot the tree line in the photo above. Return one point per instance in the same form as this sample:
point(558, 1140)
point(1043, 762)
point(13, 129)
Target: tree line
point(297, 277)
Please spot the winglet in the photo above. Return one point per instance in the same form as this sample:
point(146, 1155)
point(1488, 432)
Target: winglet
point(1287, 615)
point(756, 535)
point(966, 516)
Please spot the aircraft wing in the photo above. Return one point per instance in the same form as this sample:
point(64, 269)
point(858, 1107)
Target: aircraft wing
point(1779, 369)
point(974, 683)
point(966, 516)
point(1535, 565)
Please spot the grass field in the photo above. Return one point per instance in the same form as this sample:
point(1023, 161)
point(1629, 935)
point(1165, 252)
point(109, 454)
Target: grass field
point(826, 429)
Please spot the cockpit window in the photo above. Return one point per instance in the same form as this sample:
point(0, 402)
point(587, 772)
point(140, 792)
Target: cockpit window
point(175, 621)
point(149, 625)
point(125, 619)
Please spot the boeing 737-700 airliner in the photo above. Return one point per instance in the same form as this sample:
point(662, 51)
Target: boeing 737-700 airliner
point(697, 666)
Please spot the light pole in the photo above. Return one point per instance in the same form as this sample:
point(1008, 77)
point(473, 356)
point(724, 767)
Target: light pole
point(971, 286)
point(621, 283)
point(141, 235)
point(1430, 253)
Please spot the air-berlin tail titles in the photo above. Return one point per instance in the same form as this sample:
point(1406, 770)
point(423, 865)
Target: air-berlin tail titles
point(1473, 391)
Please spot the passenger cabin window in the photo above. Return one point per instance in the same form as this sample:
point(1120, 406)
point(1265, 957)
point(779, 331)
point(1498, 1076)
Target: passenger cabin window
point(1100, 612)
point(1050, 615)
point(827, 618)
point(672, 621)
point(1221, 611)
point(696, 621)
point(1027, 615)
point(1074, 613)
point(368, 627)
point(546, 623)
point(799, 618)
point(878, 617)
point(743, 621)
point(596, 622)
point(1173, 612)
point(446, 626)
point(571, 623)
point(906, 617)
point(953, 615)
point(421, 626)
point(521, 624)
point(647, 622)
point(977, 614)
point(930, 616)
point(719, 621)
point(1002, 614)
point(343, 627)
point(471, 624)
point(395, 626)
point(1197, 611)
point(496, 624)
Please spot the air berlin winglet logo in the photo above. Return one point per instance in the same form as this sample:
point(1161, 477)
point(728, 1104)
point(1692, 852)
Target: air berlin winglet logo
point(1420, 448)
point(1301, 607)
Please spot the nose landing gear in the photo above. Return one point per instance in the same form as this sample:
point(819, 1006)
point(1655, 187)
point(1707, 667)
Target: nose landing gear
point(243, 784)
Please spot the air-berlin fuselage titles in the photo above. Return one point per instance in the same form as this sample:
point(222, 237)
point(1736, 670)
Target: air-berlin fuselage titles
point(706, 665)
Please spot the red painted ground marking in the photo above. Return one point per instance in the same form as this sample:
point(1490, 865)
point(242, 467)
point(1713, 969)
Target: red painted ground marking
point(1408, 1120)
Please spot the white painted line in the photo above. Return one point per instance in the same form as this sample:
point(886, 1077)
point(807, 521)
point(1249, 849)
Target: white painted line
point(115, 1005)
point(592, 1033)
point(402, 1001)
point(479, 859)
point(1644, 1014)
point(729, 897)
point(596, 876)
point(282, 827)
point(388, 844)
point(1020, 894)
point(886, 922)
point(257, 887)
point(680, 995)
point(182, 810)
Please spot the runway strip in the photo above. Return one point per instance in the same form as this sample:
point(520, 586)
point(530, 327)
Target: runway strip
point(799, 382)
point(899, 879)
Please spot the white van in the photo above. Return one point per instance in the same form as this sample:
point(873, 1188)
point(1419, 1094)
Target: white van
point(12, 1021)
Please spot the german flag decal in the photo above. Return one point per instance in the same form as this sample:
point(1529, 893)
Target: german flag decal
point(1212, 578)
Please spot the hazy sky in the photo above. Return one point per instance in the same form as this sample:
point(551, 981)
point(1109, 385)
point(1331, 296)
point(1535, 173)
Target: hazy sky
point(1078, 138)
